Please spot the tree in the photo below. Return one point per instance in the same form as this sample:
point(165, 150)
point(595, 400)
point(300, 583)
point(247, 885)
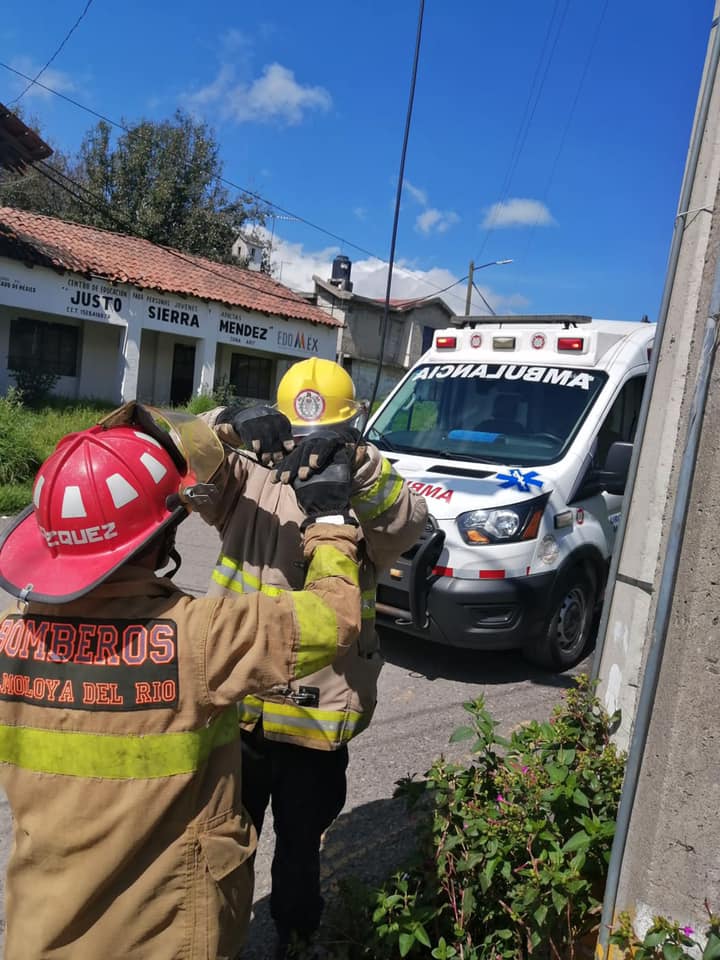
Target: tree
point(157, 180)
point(37, 189)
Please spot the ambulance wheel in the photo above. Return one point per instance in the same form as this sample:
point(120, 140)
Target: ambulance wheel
point(570, 624)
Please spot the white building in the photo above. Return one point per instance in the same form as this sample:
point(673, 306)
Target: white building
point(411, 326)
point(119, 318)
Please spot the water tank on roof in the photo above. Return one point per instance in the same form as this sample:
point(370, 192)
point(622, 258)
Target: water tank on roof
point(341, 267)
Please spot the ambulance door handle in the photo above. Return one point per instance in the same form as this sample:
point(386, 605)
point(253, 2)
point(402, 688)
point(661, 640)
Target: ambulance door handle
point(421, 569)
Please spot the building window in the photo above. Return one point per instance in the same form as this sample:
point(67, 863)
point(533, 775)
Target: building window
point(251, 376)
point(53, 347)
point(427, 338)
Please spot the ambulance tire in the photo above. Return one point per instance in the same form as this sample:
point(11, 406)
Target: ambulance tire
point(570, 624)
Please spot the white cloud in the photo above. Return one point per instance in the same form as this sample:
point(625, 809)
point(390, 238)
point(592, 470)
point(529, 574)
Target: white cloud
point(295, 266)
point(55, 79)
point(518, 212)
point(435, 220)
point(274, 96)
point(416, 193)
point(360, 213)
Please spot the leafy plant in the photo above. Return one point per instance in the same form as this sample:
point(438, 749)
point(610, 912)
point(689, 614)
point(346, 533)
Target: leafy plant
point(33, 382)
point(667, 940)
point(512, 849)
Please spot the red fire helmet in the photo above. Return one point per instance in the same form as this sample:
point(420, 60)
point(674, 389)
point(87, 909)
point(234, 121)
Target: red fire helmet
point(97, 500)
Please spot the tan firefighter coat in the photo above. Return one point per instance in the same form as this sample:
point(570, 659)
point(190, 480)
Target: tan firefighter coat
point(259, 524)
point(119, 754)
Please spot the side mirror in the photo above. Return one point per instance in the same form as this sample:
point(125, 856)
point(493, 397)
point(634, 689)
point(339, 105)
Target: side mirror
point(614, 474)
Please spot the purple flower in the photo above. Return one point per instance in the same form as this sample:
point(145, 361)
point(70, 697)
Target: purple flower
point(688, 931)
point(501, 798)
point(524, 769)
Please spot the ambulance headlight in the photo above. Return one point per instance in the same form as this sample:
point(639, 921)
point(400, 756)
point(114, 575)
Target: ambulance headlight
point(507, 524)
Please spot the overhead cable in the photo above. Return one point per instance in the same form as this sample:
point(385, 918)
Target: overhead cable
point(398, 197)
point(536, 88)
point(225, 180)
point(99, 204)
point(40, 72)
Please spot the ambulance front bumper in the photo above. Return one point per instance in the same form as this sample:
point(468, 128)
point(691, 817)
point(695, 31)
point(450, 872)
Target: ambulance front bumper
point(475, 614)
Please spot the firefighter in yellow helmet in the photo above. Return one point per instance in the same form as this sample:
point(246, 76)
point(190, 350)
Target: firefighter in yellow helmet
point(294, 739)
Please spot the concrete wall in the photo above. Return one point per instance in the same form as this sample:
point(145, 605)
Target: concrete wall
point(363, 376)
point(99, 353)
point(671, 862)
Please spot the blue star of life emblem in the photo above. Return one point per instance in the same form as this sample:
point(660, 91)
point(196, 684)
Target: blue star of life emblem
point(523, 481)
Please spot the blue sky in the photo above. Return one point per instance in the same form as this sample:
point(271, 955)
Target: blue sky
point(552, 132)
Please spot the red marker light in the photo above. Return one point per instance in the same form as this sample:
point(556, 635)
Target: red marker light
point(446, 343)
point(442, 571)
point(567, 344)
point(492, 574)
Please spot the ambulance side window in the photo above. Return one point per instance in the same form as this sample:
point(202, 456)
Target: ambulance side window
point(622, 419)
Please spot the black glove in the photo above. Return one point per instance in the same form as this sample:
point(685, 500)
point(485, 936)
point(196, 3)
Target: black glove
point(314, 452)
point(262, 429)
point(327, 492)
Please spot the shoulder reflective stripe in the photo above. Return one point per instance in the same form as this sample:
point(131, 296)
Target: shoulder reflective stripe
point(381, 495)
point(318, 632)
point(328, 561)
point(329, 725)
point(111, 757)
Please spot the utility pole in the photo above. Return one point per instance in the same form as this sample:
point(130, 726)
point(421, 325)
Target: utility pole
point(657, 658)
point(471, 271)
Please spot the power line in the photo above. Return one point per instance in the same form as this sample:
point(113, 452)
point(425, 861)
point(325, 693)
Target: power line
point(225, 180)
point(576, 98)
point(398, 197)
point(531, 106)
point(64, 41)
point(91, 200)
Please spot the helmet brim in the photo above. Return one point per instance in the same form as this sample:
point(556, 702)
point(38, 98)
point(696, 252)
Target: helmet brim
point(55, 579)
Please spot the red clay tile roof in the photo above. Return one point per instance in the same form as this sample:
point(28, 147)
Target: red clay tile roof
point(115, 256)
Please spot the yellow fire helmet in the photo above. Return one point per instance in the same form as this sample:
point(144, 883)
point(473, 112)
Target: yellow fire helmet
point(317, 393)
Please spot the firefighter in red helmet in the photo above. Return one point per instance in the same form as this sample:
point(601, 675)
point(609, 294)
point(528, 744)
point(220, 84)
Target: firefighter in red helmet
point(119, 749)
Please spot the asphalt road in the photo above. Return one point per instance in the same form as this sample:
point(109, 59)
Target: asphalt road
point(421, 691)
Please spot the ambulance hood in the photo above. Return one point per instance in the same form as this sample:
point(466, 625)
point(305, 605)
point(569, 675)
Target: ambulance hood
point(451, 489)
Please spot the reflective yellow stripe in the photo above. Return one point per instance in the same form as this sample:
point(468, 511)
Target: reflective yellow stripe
point(229, 575)
point(249, 709)
point(381, 495)
point(111, 757)
point(328, 561)
point(368, 604)
point(318, 633)
point(333, 726)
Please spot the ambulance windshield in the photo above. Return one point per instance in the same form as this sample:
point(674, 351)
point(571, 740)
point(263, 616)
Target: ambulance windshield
point(488, 412)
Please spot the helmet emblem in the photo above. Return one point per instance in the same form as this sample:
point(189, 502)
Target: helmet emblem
point(309, 405)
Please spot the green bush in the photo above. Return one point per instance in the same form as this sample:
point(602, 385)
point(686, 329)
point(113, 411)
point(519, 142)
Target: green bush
point(33, 382)
point(667, 940)
point(512, 849)
point(202, 403)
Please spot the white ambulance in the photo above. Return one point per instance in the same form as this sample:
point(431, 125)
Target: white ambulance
point(518, 431)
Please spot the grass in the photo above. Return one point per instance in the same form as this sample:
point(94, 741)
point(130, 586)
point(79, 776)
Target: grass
point(28, 437)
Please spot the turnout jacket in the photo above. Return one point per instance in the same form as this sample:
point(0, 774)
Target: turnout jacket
point(259, 525)
point(119, 754)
